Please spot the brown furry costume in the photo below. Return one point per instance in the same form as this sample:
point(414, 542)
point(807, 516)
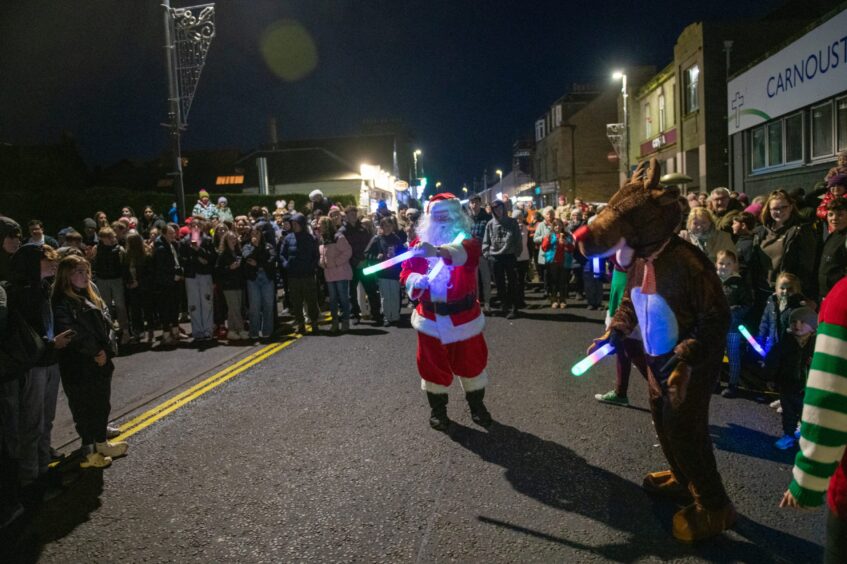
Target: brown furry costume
point(674, 298)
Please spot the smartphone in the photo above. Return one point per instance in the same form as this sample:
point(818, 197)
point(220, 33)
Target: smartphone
point(71, 333)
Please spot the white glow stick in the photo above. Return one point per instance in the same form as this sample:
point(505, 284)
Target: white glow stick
point(596, 263)
point(750, 339)
point(436, 270)
point(583, 365)
point(391, 262)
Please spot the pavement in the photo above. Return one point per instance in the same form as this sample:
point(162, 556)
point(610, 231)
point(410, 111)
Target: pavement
point(321, 452)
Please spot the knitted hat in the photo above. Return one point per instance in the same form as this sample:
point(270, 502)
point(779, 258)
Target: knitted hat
point(316, 195)
point(203, 194)
point(222, 200)
point(837, 180)
point(805, 314)
point(443, 200)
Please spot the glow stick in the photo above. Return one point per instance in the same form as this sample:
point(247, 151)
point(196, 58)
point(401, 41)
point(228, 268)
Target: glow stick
point(436, 270)
point(583, 365)
point(596, 263)
point(391, 262)
point(750, 339)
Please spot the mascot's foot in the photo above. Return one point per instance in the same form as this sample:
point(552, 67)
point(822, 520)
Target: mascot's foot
point(664, 484)
point(695, 522)
point(438, 419)
point(479, 413)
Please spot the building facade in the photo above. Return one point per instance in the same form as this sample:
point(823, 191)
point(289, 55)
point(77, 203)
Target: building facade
point(788, 110)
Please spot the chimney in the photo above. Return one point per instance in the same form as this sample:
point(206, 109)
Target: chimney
point(272, 133)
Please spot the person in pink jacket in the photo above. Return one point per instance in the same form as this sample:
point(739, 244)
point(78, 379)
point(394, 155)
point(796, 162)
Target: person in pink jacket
point(336, 253)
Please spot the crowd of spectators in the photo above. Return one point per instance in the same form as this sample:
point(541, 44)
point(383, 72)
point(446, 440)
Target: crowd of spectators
point(70, 304)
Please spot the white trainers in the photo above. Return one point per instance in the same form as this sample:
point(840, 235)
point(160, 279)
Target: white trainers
point(95, 460)
point(774, 404)
point(112, 450)
point(243, 335)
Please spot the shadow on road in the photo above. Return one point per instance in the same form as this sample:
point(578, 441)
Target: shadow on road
point(53, 520)
point(750, 442)
point(556, 476)
point(561, 317)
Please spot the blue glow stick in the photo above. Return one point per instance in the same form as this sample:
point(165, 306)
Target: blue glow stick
point(750, 339)
point(583, 365)
point(436, 270)
point(596, 263)
point(391, 262)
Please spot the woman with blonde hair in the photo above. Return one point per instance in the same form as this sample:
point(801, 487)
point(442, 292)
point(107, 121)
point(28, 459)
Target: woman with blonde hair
point(702, 232)
point(86, 363)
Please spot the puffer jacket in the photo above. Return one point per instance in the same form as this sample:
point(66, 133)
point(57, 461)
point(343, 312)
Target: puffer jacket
point(335, 259)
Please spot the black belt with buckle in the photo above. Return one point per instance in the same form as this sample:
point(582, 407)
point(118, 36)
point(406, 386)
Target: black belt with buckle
point(450, 308)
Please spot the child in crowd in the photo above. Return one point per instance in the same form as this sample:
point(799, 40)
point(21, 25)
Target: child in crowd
point(558, 247)
point(787, 297)
point(384, 246)
point(740, 298)
point(795, 356)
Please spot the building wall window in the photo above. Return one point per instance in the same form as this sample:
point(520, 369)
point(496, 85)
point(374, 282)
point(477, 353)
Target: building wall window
point(539, 130)
point(822, 130)
point(662, 118)
point(841, 109)
point(692, 79)
point(759, 148)
point(777, 143)
point(648, 122)
point(774, 143)
point(557, 115)
point(794, 138)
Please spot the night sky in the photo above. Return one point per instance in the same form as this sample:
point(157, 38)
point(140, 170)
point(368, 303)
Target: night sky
point(467, 76)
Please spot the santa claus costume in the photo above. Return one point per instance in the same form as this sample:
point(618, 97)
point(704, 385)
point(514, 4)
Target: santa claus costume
point(448, 318)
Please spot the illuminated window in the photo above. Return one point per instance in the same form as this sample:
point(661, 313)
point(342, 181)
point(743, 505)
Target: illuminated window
point(237, 179)
point(662, 116)
point(692, 79)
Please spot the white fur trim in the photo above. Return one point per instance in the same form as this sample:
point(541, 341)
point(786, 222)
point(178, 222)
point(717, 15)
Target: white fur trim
point(433, 388)
point(478, 382)
point(414, 293)
point(444, 330)
point(458, 254)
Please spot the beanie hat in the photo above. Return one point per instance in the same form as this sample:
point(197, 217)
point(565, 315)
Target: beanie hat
point(203, 194)
point(222, 200)
point(805, 314)
point(443, 200)
point(316, 195)
point(89, 223)
point(837, 180)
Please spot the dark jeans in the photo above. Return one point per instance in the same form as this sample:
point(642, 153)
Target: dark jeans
point(505, 278)
point(370, 286)
point(140, 308)
point(593, 289)
point(631, 352)
point(523, 269)
point(89, 389)
point(791, 401)
point(9, 412)
point(835, 551)
point(304, 291)
point(167, 302)
point(558, 278)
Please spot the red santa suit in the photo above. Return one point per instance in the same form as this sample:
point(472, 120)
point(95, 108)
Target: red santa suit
point(448, 319)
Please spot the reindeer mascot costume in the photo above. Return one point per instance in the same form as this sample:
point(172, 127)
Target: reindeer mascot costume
point(674, 298)
point(448, 318)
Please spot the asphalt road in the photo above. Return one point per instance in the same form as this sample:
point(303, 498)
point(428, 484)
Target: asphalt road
point(323, 453)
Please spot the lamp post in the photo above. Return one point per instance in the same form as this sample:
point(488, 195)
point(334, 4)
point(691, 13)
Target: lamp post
point(415, 157)
point(620, 75)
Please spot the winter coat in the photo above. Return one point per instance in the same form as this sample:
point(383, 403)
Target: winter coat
point(197, 259)
point(225, 214)
point(740, 298)
point(774, 323)
point(542, 230)
point(8, 227)
point(229, 278)
point(558, 249)
point(207, 211)
point(264, 257)
point(358, 237)
point(109, 262)
point(715, 241)
point(299, 255)
point(502, 238)
point(335, 259)
point(480, 222)
point(166, 265)
point(798, 252)
point(383, 247)
point(833, 265)
point(794, 360)
point(29, 298)
point(92, 325)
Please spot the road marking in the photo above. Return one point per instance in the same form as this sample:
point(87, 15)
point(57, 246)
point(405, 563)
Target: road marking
point(149, 417)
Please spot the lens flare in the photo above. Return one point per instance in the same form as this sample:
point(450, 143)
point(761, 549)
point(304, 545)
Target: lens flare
point(289, 50)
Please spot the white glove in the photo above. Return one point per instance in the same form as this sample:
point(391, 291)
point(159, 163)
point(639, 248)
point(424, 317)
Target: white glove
point(422, 283)
point(427, 250)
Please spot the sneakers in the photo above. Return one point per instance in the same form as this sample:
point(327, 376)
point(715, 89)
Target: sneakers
point(730, 392)
point(774, 404)
point(786, 442)
point(555, 305)
point(612, 398)
point(95, 460)
point(112, 432)
point(112, 450)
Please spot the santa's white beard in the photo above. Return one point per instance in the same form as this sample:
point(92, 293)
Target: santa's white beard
point(439, 233)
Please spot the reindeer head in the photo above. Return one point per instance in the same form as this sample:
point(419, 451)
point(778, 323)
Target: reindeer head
point(637, 221)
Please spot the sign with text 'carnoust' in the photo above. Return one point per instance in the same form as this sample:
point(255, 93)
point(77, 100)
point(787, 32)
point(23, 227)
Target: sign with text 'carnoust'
point(812, 68)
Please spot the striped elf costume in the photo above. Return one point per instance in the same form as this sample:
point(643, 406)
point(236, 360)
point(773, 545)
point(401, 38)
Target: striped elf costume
point(824, 424)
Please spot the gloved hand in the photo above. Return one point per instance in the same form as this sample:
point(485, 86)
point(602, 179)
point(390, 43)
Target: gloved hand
point(678, 384)
point(615, 338)
point(427, 250)
point(422, 283)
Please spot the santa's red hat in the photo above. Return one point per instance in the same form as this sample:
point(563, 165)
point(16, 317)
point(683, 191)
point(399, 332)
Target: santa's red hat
point(443, 200)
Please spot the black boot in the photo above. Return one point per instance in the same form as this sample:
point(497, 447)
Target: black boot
point(438, 419)
point(479, 414)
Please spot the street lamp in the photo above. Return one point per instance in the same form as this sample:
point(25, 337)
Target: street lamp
point(620, 75)
point(415, 155)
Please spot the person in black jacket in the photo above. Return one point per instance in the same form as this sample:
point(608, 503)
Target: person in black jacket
point(167, 275)
point(259, 265)
point(109, 266)
point(30, 272)
point(384, 246)
point(299, 256)
point(197, 256)
point(833, 266)
point(10, 380)
point(359, 237)
point(139, 291)
point(86, 363)
point(740, 298)
point(230, 277)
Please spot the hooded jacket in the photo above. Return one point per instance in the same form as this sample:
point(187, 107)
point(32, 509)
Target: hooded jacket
point(29, 296)
point(299, 252)
point(502, 237)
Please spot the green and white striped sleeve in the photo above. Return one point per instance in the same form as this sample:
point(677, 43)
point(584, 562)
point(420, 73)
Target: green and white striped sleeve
point(823, 432)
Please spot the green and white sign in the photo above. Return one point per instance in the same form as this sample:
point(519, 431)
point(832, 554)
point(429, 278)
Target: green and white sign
point(810, 69)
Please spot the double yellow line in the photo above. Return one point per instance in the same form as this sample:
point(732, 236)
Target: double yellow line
point(147, 418)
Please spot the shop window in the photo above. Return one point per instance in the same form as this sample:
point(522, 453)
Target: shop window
point(774, 143)
point(794, 138)
point(648, 122)
point(822, 130)
point(841, 105)
point(692, 79)
point(759, 148)
point(662, 117)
